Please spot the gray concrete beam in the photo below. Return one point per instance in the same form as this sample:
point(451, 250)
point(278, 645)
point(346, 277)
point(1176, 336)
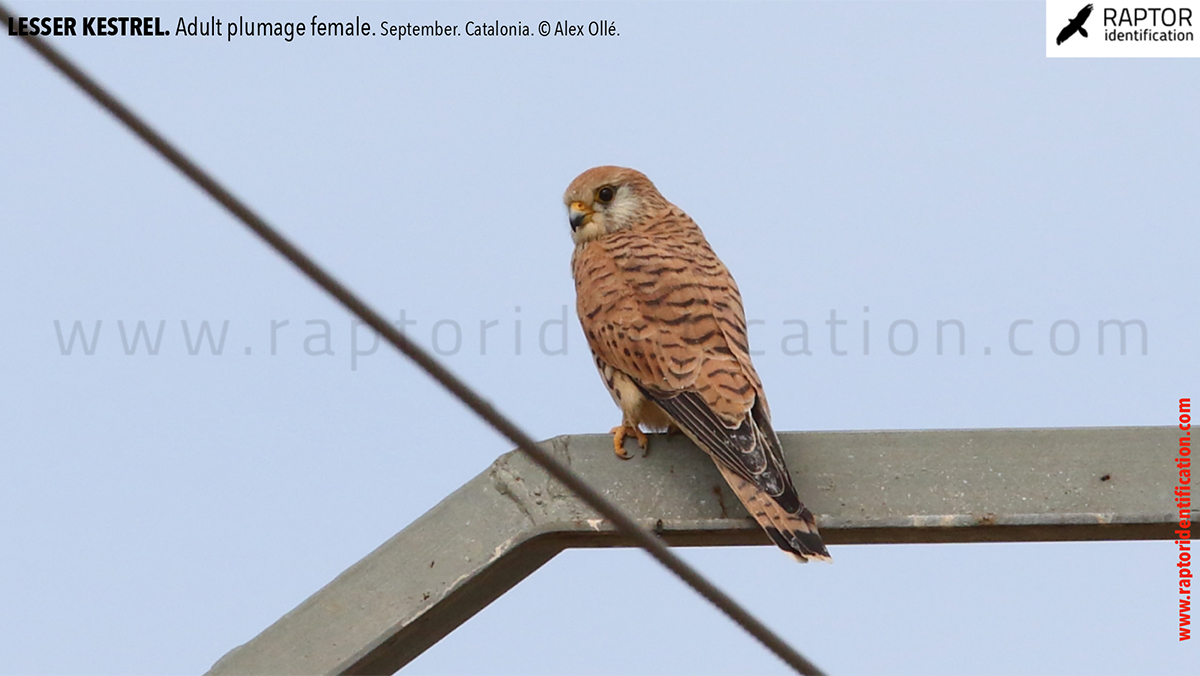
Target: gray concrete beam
point(1003, 485)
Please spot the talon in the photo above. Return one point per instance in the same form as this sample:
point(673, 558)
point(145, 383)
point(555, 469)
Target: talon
point(641, 437)
point(619, 433)
point(643, 441)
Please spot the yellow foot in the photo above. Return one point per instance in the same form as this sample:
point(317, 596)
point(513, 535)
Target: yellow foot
point(619, 433)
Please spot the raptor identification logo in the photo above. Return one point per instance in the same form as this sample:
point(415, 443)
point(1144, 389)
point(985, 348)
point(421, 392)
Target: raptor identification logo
point(1137, 29)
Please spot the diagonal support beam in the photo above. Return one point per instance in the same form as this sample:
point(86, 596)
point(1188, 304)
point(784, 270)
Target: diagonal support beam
point(1003, 485)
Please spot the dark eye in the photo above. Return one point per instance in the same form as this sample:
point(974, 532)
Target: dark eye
point(605, 194)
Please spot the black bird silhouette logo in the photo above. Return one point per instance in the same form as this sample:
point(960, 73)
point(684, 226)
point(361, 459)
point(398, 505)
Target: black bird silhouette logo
point(1076, 24)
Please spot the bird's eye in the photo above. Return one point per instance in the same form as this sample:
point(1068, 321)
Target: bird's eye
point(605, 194)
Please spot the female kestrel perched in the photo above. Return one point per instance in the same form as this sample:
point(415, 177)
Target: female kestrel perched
point(664, 320)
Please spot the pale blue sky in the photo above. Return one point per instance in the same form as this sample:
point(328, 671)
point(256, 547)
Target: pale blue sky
point(921, 159)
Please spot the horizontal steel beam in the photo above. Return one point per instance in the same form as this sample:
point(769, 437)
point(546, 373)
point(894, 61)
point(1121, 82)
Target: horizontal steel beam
point(1003, 485)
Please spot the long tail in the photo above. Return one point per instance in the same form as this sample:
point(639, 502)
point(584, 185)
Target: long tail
point(795, 533)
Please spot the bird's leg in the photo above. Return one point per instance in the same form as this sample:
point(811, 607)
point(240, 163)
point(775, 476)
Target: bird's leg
point(620, 432)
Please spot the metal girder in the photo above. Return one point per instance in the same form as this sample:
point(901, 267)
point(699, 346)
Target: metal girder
point(1002, 485)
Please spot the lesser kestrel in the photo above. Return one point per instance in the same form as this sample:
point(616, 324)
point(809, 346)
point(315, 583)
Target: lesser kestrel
point(665, 323)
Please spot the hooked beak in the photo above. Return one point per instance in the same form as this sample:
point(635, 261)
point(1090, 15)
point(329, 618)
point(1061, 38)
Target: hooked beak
point(579, 214)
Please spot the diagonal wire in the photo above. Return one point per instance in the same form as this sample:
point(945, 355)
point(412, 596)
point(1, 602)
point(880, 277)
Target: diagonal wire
point(606, 508)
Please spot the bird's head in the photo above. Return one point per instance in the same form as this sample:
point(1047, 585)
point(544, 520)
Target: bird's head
point(602, 200)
